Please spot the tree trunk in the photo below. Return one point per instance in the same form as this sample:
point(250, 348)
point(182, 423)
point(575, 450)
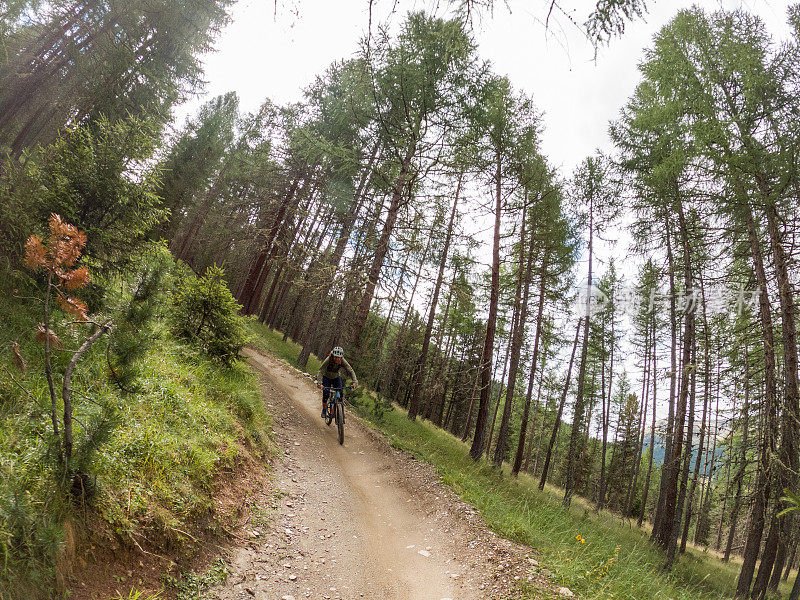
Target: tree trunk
point(419, 369)
point(521, 316)
point(706, 393)
point(362, 312)
point(788, 459)
point(392, 367)
point(563, 400)
point(762, 484)
point(575, 438)
point(605, 417)
point(739, 478)
point(652, 427)
point(667, 537)
point(672, 383)
point(497, 404)
point(255, 281)
point(330, 267)
point(476, 450)
point(536, 341)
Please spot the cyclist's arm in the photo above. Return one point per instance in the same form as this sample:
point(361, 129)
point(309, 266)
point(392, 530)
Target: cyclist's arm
point(322, 369)
point(350, 371)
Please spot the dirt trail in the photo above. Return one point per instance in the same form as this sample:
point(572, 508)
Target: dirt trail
point(361, 520)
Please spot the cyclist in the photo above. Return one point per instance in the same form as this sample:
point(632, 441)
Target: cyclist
point(330, 374)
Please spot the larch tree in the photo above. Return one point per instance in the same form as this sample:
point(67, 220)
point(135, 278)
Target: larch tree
point(416, 84)
point(596, 198)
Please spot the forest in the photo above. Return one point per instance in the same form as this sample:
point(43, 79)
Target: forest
point(626, 333)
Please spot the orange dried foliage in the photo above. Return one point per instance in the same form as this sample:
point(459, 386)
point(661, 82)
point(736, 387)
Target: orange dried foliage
point(62, 251)
point(73, 306)
point(77, 278)
point(42, 334)
point(66, 243)
point(35, 253)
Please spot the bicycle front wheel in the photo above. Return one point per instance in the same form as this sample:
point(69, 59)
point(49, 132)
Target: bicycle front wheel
point(340, 422)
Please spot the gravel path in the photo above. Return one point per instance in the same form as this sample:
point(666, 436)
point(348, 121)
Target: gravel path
point(361, 520)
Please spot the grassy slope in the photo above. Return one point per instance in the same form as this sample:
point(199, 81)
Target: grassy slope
point(615, 561)
point(155, 471)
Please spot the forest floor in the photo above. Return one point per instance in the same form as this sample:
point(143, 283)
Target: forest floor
point(363, 520)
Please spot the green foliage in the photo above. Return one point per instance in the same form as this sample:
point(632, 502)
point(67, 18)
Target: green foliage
point(97, 58)
point(134, 330)
point(190, 586)
point(94, 178)
point(196, 154)
point(152, 456)
point(793, 501)
point(137, 595)
point(207, 313)
point(369, 403)
point(609, 18)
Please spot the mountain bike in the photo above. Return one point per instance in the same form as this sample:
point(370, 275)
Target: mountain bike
point(334, 410)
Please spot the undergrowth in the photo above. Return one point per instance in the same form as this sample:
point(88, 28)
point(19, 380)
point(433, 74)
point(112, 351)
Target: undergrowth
point(152, 456)
point(191, 586)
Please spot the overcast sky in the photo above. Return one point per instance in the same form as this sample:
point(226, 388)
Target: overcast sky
point(274, 53)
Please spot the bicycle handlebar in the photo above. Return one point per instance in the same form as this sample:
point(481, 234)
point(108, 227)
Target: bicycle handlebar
point(330, 387)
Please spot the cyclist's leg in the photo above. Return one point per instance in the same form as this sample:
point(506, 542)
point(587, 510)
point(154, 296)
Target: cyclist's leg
point(326, 384)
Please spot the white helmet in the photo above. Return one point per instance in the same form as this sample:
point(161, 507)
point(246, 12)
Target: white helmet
point(338, 352)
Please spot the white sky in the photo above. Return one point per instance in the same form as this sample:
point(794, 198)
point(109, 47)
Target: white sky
point(264, 53)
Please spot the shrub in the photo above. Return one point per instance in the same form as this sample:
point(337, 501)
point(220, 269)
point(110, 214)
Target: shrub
point(207, 313)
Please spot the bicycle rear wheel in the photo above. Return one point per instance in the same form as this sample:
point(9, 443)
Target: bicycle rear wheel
point(340, 422)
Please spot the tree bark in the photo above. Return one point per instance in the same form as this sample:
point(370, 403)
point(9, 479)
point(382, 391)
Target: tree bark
point(706, 393)
point(419, 369)
point(536, 341)
point(398, 192)
point(739, 478)
point(476, 450)
point(521, 316)
point(255, 277)
point(667, 536)
point(652, 428)
point(331, 266)
point(761, 494)
point(561, 403)
point(577, 416)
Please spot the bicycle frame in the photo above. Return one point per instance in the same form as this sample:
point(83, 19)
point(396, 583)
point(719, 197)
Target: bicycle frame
point(335, 408)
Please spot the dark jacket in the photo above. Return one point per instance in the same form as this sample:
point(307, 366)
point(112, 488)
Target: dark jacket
point(331, 371)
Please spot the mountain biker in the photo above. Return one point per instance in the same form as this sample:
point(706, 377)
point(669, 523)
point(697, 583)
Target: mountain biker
point(330, 374)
